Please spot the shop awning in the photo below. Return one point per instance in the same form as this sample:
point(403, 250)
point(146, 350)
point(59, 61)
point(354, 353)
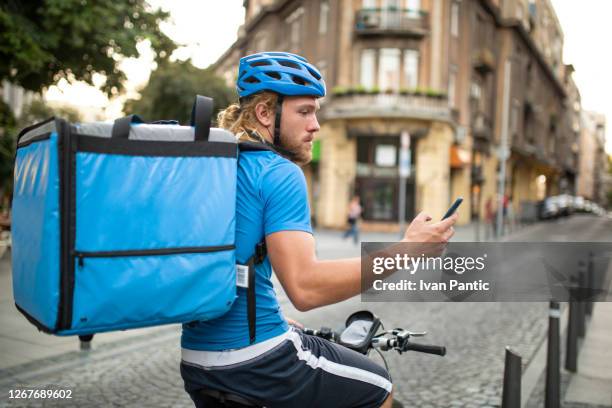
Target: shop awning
point(459, 157)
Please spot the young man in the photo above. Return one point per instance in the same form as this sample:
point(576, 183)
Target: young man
point(275, 365)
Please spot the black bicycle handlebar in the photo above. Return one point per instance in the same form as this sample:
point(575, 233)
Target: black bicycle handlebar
point(426, 348)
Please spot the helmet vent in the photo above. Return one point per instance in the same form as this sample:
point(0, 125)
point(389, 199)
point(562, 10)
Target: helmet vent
point(314, 74)
point(260, 63)
point(289, 64)
point(252, 80)
point(274, 75)
point(299, 81)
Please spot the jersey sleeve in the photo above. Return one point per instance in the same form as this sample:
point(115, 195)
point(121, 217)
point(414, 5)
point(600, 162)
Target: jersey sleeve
point(283, 189)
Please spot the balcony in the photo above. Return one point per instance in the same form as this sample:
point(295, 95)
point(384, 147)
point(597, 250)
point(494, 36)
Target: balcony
point(483, 60)
point(383, 105)
point(481, 126)
point(404, 22)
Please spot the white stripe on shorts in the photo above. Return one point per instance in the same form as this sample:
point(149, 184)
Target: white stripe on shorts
point(209, 359)
point(337, 369)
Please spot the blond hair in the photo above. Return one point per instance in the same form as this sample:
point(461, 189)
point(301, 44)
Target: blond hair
point(240, 119)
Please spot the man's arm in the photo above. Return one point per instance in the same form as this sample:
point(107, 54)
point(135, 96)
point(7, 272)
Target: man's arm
point(312, 283)
point(309, 282)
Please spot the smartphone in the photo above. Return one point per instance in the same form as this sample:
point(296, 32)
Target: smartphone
point(453, 208)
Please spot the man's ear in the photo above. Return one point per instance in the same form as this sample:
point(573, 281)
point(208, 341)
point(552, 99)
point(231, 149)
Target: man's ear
point(264, 115)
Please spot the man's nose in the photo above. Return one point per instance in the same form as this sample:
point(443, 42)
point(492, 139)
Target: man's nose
point(314, 125)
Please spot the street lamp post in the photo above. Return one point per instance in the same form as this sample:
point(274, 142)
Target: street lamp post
point(503, 148)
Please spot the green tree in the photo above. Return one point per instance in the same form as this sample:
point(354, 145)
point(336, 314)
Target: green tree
point(43, 41)
point(7, 151)
point(38, 111)
point(171, 90)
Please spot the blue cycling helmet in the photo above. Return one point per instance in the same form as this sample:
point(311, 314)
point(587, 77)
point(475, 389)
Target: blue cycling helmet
point(281, 72)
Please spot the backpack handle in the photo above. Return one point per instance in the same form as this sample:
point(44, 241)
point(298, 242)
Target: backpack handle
point(121, 127)
point(200, 117)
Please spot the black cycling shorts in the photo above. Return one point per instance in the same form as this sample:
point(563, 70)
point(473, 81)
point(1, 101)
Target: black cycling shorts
point(296, 371)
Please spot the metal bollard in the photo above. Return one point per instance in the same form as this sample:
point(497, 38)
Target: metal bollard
point(571, 349)
point(511, 394)
point(85, 342)
point(581, 303)
point(553, 373)
point(590, 284)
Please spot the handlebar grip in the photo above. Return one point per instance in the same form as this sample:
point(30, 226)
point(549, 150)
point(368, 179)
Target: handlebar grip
point(427, 348)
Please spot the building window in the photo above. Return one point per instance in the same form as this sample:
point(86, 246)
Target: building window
point(368, 61)
point(414, 8)
point(455, 19)
point(391, 13)
point(514, 116)
point(452, 85)
point(368, 4)
point(323, 16)
point(389, 69)
point(411, 68)
point(322, 66)
point(475, 91)
point(294, 22)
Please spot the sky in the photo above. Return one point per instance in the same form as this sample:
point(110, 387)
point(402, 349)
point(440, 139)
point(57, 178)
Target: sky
point(207, 30)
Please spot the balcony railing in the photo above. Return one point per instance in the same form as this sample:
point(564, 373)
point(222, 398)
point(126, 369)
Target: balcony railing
point(388, 106)
point(483, 60)
point(481, 126)
point(398, 21)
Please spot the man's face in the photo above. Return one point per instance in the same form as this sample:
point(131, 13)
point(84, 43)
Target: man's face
point(299, 125)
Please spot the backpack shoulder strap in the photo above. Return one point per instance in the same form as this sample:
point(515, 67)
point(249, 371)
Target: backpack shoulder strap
point(254, 147)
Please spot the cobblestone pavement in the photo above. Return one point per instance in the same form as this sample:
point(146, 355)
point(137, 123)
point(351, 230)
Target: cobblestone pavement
point(143, 371)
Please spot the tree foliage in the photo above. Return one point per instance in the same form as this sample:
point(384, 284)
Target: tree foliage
point(38, 111)
point(171, 90)
point(42, 41)
point(7, 147)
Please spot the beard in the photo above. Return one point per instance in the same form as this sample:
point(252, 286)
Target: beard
point(301, 153)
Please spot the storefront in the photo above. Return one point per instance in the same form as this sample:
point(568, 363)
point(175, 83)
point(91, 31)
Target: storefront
point(377, 179)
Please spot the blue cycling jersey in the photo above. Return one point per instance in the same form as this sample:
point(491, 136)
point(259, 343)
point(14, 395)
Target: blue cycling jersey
point(271, 197)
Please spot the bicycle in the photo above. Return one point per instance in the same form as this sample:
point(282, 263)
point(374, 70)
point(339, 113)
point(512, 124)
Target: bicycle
point(361, 334)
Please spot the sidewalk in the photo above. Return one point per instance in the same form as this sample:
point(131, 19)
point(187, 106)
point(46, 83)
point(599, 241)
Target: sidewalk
point(592, 384)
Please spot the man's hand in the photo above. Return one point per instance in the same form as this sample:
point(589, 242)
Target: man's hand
point(294, 323)
point(421, 230)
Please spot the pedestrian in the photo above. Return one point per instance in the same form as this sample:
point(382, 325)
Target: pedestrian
point(274, 363)
point(510, 216)
point(490, 219)
point(354, 216)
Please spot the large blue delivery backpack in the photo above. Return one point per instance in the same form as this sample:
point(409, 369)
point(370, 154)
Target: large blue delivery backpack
point(124, 225)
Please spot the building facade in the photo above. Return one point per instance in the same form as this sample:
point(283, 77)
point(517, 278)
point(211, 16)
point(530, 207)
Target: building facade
point(434, 70)
point(593, 159)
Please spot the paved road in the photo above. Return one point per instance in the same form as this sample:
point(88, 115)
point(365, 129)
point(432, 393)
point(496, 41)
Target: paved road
point(143, 370)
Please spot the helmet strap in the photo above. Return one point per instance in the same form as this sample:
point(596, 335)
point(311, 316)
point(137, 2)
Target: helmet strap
point(277, 121)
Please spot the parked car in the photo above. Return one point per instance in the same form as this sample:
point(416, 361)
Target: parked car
point(579, 204)
point(549, 208)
